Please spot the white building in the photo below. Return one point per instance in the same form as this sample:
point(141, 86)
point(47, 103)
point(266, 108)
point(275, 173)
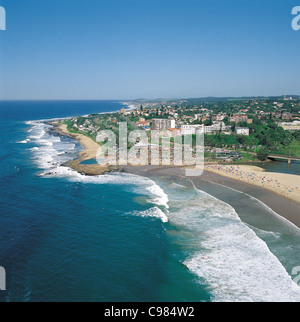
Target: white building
point(217, 126)
point(290, 126)
point(242, 130)
point(163, 124)
point(194, 129)
point(189, 129)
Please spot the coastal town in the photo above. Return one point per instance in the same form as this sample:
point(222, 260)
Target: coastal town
point(240, 135)
point(239, 130)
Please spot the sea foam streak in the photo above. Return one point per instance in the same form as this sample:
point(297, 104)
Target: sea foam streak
point(225, 252)
point(152, 212)
point(24, 141)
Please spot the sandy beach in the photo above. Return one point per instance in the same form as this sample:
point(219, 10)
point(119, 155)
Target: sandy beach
point(90, 147)
point(89, 152)
point(283, 184)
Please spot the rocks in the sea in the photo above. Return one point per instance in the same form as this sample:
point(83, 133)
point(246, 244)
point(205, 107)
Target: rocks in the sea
point(90, 170)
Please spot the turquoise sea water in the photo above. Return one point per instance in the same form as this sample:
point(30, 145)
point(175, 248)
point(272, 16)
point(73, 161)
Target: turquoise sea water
point(120, 237)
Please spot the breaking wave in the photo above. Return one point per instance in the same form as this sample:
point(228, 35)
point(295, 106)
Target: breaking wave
point(225, 253)
point(51, 152)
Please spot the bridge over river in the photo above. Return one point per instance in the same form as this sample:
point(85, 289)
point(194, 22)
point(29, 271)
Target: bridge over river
point(283, 157)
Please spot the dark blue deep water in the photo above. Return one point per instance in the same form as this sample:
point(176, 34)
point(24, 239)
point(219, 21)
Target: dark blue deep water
point(39, 110)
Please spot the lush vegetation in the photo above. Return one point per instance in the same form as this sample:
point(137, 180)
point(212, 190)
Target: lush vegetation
point(265, 138)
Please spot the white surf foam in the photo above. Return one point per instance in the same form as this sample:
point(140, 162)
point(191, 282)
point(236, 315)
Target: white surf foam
point(235, 263)
point(160, 197)
point(151, 212)
point(287, 224)
point(34, 149)
point(138, 184)
point(50, 153)
point(240, 267)
point(24, 141)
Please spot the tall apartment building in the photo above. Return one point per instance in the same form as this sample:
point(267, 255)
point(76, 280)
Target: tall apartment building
point(163, 124)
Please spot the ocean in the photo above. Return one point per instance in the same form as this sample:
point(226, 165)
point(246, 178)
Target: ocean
point(122, 237)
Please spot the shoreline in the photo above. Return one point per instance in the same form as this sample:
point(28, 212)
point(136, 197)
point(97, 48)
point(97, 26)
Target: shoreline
point(90, 147)
point(281, 205)
point(89, 152)
point(274, 190)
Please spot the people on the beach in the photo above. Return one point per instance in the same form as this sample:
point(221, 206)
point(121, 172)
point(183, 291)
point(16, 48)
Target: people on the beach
point(260, 178)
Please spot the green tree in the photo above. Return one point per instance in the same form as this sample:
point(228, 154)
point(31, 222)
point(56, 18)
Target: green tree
point(208, 122)
point(262, 154)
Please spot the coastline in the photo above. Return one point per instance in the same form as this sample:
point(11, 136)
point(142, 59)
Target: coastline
point(90, 147)
point(280, 192)
point(280, 204)
point(89, 152)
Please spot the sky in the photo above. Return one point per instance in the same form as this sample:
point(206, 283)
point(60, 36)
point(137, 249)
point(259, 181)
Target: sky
point(129, 49)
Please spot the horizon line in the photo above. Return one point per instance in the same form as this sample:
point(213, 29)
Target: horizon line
point(149, 99)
